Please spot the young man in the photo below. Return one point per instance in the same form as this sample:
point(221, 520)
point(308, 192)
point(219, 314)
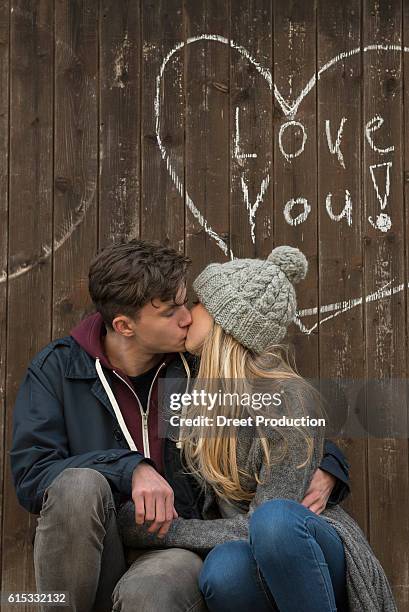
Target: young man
point(86, 439)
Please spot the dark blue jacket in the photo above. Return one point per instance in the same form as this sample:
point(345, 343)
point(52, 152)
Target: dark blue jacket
point(63, 419)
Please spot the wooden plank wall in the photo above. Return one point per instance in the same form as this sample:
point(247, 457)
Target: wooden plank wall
point(222, 128)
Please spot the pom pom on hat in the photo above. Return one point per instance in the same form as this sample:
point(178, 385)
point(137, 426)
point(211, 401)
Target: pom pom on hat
point(291, 261)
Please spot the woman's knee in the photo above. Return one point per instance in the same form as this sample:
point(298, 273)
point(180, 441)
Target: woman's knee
point(224, 569)
point(274, 511)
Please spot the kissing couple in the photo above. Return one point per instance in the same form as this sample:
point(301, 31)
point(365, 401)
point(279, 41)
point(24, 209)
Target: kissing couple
point(206, 517)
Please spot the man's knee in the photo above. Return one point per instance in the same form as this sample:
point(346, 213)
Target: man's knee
point(77, 489)
point(161, 580)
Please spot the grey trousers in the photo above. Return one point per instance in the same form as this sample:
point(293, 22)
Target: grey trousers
point(78, 549)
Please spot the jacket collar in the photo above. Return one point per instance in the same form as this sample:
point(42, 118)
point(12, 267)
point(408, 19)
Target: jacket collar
point(81, 365)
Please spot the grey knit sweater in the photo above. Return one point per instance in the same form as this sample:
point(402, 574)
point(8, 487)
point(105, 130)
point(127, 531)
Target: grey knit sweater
point(367, 586)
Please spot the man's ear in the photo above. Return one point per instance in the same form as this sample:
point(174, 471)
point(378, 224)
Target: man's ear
point(123, 326)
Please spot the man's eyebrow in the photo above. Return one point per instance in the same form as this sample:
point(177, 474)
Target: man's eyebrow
point(169, 307)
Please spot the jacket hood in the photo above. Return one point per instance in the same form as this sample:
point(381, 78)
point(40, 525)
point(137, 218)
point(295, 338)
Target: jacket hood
point(89, 334)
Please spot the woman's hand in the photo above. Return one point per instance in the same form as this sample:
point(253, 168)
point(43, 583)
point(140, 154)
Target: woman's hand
point(318, 492)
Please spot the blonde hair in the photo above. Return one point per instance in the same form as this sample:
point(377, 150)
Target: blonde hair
point(211, 454)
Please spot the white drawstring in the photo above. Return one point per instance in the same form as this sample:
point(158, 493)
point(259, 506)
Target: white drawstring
point(187, 369)
point(114, 405)
point(184, 409)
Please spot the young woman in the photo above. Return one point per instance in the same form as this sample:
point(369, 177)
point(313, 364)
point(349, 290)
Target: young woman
point(266, 551)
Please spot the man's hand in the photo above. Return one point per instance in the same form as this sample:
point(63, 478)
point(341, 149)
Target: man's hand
point(153, 498)
point(319, 491)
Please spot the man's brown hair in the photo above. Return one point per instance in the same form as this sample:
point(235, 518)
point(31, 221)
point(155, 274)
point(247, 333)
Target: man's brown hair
point(124, 277)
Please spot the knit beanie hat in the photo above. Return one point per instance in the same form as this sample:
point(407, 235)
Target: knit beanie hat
point(251, 299)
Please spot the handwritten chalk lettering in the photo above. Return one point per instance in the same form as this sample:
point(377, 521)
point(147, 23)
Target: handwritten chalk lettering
point(335, 149)
point(299, 218)
point(383, 221)
point(291, 155)
point(237, 152)
point(374, 124)
point(346, 211)
point(383, 200)
point(289, 109)
point(253, 209)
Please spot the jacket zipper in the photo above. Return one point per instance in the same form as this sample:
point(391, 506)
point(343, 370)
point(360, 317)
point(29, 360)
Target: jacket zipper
point(144, 415)
point(187, 371)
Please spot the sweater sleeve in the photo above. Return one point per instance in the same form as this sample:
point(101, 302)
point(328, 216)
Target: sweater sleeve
point(285, 479)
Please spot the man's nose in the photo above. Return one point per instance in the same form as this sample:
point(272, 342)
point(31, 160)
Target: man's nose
point(187, 317)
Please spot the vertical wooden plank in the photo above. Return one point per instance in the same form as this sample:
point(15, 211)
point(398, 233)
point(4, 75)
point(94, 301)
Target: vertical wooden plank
point(76, 148)
point(405, 165)
point(162, 213)
point(30, 239)
point(4, 177)
point(207, 130)
point(251, 128)
point(295, 159)
point(341, 338)
point(119, 100)
point(384, 266)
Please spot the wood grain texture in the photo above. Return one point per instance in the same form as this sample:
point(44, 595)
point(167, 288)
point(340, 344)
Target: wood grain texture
point(403, 479)
point(29, 236)
point(119, 121)
point(385, 320)
point(4, 176)
point(207, 130)
point(294, 36)
point(340, 255)
point(75, 159)
point(162, 214)
point(251, 130)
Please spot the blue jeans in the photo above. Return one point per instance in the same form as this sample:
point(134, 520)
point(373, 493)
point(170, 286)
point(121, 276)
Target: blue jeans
point(293, 560)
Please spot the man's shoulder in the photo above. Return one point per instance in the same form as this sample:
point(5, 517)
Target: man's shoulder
point(62, 346)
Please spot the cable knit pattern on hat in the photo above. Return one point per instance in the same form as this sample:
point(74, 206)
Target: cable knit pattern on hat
point(251, 299)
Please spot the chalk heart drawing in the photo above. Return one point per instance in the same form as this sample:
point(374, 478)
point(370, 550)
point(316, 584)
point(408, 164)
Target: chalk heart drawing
point(289, 108)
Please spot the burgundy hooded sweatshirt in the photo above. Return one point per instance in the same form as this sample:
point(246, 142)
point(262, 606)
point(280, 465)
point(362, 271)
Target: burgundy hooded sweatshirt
point(89, 334)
